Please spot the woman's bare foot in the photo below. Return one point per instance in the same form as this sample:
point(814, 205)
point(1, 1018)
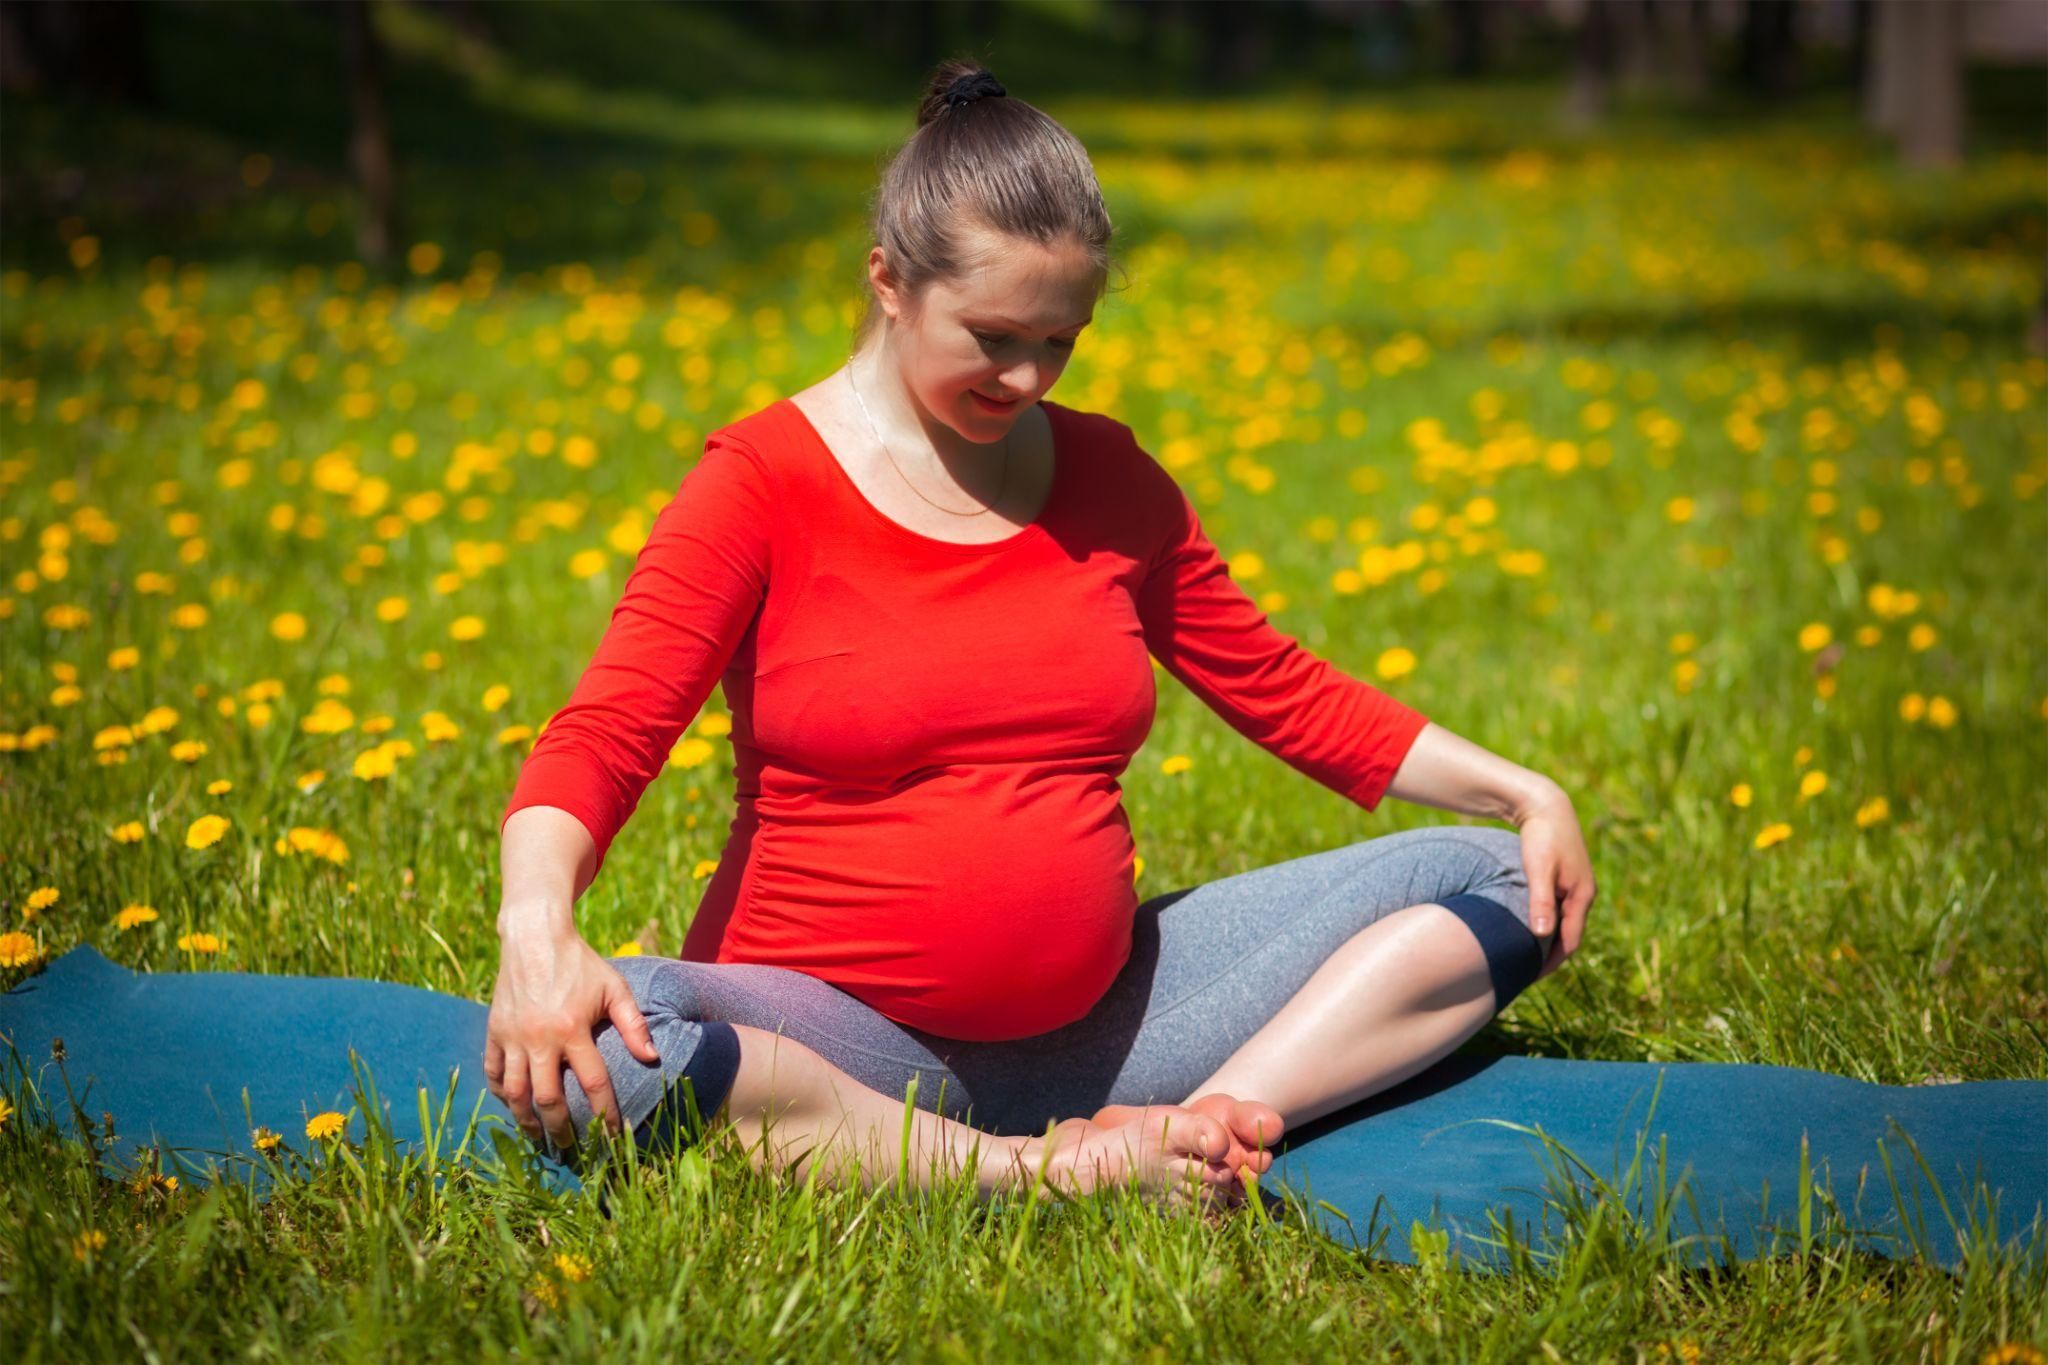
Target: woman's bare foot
point(1174, 1155)
point(1253, 1125)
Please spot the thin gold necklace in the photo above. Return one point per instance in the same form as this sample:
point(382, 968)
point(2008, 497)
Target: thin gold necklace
point(899, 472)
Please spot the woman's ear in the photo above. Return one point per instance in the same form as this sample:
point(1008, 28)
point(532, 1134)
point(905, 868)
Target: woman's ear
point(887, 296)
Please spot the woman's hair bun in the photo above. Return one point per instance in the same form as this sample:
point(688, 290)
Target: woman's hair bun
point(954, 85)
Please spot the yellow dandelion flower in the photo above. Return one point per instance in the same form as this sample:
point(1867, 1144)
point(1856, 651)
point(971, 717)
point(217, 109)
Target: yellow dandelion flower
point(129, 832)
point(1397, 662)
point(189, 750)
point(157, 720)
point(495, 697)
point(572, 1267)
point(134, 916)
point(543, 1289)
point(17, 949)
point(1137, 866)
point(391, 609)
point(466, 628)
point(512, 734)
point(306, 782)
point(1741, 795)
point(1685, 673)
point(219, 787)
point(2014, 1353)
point(328, 717)
point(199, 943)
point(288, 625)
point(1815, 636)
point(124, 658)
point(6, 1110)
point(1812, 785)
point(85, 1244)
point(206, 831)
point(323, 1126)
point(630, 948)
point(265, 1139)
point(690, 752)
point(1941, 712)
point(372, 764)
point(1921, 637)
point(1176, 763)
point(588, 563)
point(1872, 812)
point(1678, 510)
point(321, 843)
point(43, 897)
point(1773, 834)
point(438, 728)
point(1912, 707)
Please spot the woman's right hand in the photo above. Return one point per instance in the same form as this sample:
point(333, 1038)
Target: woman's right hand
point(552, 990)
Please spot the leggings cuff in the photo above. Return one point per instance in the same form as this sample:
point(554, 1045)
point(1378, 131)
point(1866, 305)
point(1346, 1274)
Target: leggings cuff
point(697, 1093)
point(1514, 955)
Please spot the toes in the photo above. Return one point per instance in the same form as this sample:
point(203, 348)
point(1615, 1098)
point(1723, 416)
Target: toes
point(1257, 1124)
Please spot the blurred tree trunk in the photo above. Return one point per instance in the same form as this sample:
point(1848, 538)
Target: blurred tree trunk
point(1593, 62)
point(90, 47)
point(20, 73)
point(1687, 46)
point(1234, 43)
point(1933, 133)
point(1471, 29)
point(1884, 86)
point(369, 148)
point(1915, 88)
point(1770, 46)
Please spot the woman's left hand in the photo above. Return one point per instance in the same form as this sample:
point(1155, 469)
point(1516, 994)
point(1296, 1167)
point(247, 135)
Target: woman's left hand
point(1560, 873)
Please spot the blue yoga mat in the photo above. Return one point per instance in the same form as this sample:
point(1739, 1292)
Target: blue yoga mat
point(1473, 1149)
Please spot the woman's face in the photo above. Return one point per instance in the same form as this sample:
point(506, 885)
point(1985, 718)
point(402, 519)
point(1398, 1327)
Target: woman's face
point(1004, 331)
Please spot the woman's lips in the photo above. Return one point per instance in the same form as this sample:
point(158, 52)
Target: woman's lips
point(991, 404)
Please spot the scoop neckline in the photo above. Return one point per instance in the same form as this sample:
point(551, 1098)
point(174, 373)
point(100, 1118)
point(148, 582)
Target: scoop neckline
point(1031, 530)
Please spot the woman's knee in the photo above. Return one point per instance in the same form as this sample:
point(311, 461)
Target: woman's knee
point(1495, 906)
point(704, 1051)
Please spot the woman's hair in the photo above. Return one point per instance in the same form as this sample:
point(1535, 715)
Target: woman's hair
point(993, 161)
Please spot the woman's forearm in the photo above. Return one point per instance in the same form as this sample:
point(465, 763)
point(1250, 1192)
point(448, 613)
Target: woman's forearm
point(1450, 772)
point(546, 859)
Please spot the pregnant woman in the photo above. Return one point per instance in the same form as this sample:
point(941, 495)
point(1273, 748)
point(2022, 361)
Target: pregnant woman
point(933, 599)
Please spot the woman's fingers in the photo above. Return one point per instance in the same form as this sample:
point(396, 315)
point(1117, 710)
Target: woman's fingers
point(596, 1079)
point(517, 1093)
point(494, 1065)
point(1540, 871)
point(625, 1015)
point(548, 1103)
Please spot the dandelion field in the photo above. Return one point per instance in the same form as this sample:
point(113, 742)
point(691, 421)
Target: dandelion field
point(1700, 467)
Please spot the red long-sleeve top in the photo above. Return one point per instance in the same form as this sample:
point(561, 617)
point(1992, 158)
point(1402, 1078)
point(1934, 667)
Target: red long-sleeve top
point(927, 735)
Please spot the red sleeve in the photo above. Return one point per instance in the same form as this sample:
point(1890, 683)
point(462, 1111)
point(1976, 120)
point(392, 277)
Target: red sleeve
point(693, 592)
point(1200, 625)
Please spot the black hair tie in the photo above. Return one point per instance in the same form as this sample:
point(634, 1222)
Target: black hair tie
point(971, 87)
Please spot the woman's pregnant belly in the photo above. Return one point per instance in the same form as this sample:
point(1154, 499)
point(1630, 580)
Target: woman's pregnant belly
point(977, 902)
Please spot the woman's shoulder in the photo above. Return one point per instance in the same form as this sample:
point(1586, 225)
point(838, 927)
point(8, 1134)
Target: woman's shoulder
point(1115, 456)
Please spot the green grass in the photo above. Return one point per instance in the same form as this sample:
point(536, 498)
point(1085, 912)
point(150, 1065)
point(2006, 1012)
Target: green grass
point(1345, 321)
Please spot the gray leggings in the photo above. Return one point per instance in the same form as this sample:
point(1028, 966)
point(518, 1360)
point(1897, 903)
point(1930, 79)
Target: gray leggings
point(1209, 966)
